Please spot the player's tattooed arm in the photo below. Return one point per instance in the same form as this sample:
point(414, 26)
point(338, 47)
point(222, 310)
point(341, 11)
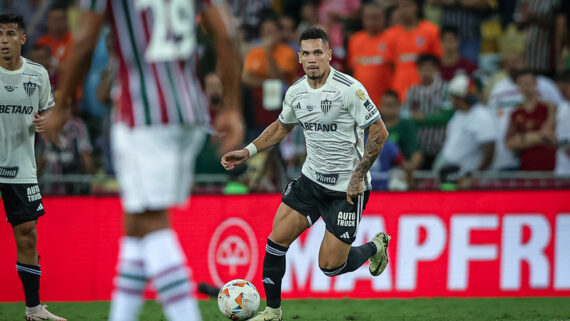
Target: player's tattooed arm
point(272, 135)
point(377, 135)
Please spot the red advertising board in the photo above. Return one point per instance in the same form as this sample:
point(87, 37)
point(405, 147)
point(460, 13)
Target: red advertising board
point(460, 244)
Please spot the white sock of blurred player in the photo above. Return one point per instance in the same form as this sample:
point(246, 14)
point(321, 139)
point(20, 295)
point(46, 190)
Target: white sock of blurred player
point(165, 267)
point(129, 282)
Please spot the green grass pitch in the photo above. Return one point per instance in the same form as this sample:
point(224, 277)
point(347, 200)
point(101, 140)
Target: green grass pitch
point(520, 309)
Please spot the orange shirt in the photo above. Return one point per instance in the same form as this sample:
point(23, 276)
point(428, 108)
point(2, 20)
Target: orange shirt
point(367, 56)
point(405, 47)
point(285, 57)
point(59, 47)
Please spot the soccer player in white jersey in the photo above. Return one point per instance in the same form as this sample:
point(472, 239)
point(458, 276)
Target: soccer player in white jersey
point(161, 118)
point(334, 110)
point(25, 98)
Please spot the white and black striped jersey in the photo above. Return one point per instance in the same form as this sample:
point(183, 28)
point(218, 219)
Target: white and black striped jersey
point(22, 92)
point(333, 118)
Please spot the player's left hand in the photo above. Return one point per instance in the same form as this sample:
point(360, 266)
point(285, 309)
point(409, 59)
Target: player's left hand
point(355, 187)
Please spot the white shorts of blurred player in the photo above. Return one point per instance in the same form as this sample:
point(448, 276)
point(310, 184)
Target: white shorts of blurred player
point(155, 165)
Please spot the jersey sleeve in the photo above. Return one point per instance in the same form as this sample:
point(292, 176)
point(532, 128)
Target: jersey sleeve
point(45, 96)
point(99, 6)
point(287, 115)
point(360, 106)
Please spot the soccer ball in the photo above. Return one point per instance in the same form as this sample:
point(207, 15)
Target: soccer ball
point(238, 300)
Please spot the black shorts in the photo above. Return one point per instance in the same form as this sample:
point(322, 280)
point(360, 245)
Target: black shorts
point(22, 202)
point(314, 201)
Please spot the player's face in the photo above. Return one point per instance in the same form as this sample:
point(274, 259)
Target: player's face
point(315, 56)
point(11, 40)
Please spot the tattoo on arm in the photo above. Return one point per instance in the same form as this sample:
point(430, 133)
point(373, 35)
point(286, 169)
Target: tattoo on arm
point(272, 135)
point(376, 139)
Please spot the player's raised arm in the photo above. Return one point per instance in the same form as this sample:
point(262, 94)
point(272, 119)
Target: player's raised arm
point(74, 70)
point(229, 123)
point(272, 135)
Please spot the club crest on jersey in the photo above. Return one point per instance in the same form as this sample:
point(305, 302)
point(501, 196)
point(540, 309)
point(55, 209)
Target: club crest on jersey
point(10, 88)
point(29, 87)
point(326, 105)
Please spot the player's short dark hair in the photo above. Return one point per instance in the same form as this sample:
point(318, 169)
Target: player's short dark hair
point(12, 18)
point(427, 58)
point(523, 72)
point(392, 93)
point(449, 29)
point(314, 33)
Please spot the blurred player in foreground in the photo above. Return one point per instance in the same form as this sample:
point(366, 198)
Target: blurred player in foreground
point(160, 123)
point(25, 93)
point(334, 110)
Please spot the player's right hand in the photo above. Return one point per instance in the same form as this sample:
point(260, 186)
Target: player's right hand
point(233, 158)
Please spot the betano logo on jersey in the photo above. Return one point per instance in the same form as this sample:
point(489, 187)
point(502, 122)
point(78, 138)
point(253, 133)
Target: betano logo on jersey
point(316, 127)
point(16, 109)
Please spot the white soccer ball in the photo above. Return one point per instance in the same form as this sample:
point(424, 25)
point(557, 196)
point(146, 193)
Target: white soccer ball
point(238, 300)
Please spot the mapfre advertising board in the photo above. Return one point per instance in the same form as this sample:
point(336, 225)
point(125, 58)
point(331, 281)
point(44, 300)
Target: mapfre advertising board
point(457, 244)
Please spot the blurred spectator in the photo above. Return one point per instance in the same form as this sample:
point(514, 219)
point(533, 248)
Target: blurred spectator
point(403, 132)
point(466, 16)
point(103, 94)
point(368, 53)
point(309, 16)
point(531, 130)
point(563, 138)
point(410, 38)
point(426, 103)
point(59, 37)
point(504, 96)
point(562, 38)
point(35, 17)
point(389, 158)
point(506, 11)
point(249, 14)
point(537, 17)
point(289, 32)
point(452, 61)
point(72, 155)
point(42, 55)
point(208, 160)
point(471, 134)
point(563, 127)
point(332, 14)
point(273, 59)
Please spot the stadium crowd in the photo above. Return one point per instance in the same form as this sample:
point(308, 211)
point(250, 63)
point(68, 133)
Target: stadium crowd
point(463, 85)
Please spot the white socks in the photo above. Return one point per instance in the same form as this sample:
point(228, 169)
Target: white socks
point(130, 281)
point(165, 267)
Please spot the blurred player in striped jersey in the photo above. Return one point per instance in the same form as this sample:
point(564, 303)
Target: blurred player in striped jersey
point(160, 123)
